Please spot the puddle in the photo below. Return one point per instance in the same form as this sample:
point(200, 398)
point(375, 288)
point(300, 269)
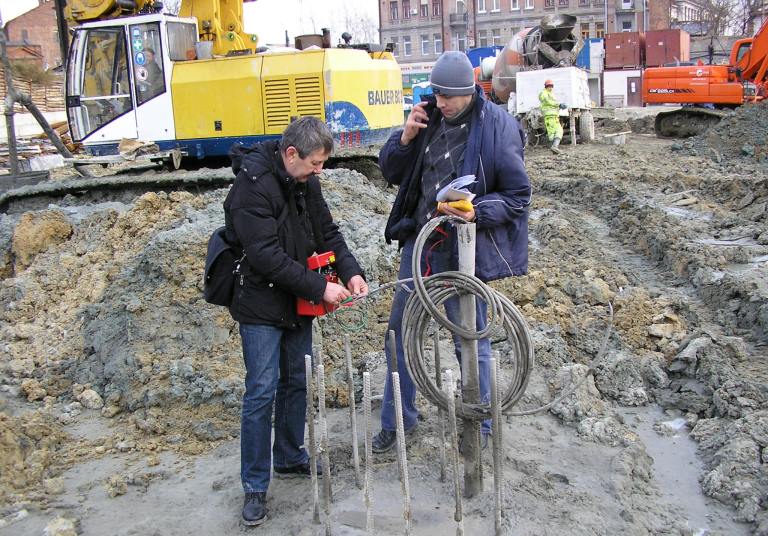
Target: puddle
point(676, 467)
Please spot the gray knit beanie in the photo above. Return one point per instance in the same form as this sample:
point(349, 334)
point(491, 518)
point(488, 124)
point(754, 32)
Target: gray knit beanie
point(452, 75)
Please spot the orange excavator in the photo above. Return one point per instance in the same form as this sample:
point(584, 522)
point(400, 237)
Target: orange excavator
point(705, 91)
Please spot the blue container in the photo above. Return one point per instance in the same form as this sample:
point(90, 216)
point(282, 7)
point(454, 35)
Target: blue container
point(422, 88)
point(476, 55)
point(582, 60)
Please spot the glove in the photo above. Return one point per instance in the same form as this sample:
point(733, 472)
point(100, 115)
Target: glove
point(563, 106)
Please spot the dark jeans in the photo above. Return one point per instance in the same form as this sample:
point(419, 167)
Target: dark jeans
point(439, 259)
point(275, 373)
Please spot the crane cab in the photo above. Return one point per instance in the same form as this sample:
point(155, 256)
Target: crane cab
point(119, 79)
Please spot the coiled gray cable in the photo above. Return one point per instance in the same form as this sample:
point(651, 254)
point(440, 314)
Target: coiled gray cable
point(423, 305)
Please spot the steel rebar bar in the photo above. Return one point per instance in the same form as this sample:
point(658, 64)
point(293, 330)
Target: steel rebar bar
point(352, 415)
point(326, 463)
point(311, 434)
point(440, 412)
point(498, 484)
point(403, 461)
point(454, 449)
point(368, 483)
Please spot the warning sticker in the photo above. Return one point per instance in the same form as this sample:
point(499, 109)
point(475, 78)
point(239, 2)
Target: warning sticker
point(138, 45)
point(140, 58)
point(142, 74)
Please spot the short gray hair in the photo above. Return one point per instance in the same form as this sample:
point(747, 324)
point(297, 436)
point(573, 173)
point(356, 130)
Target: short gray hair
point(307, 135)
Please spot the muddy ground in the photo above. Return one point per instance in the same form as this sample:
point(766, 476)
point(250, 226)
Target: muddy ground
point(120, 387)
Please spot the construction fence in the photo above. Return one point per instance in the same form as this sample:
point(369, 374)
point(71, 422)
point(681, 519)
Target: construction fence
point(48, 97)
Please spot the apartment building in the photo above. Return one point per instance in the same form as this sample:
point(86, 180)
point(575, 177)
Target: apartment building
point(422, 29)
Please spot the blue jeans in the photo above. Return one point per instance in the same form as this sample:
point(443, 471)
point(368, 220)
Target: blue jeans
point(275, 374)
point(439, 260)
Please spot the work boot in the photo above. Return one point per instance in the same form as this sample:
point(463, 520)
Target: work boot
point(555, 146)
point(255, 508)
point(385, 440)
point(300, 470)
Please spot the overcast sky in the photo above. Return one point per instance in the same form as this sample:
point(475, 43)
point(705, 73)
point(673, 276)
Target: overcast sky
point(270, 18)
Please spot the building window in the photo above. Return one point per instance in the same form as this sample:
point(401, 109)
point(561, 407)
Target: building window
point(513, 31)
point(583, 3)
point(600, 29)
point(424, 10)
point(407, 45)
point(482, 37)
point(393, 11)
point(515, 5)
point(496, 36)
point(461, 42)
point(395, 46)
point(495, 5)
point(438, 44)
point(585, 30)
point(626, 26)
point(406, 9)
point(24, 35)
point(481, 6)
point(562, 3)
point(528, 4)
point(549, 3)
point(436, 8)
point(424, 45)
point(460, 6)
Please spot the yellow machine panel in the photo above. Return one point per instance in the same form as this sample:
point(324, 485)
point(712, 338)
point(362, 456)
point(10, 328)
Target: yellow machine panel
point(355, 82)
point(218, 98)
point(292, 85)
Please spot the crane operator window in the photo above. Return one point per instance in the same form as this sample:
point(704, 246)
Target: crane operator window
point(181, 40)
point(103, 87)
point(147, 61)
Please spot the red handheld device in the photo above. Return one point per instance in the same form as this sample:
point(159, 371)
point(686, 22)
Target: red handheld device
point(322, 263)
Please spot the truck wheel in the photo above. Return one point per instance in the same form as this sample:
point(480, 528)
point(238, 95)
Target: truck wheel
point(586, 127)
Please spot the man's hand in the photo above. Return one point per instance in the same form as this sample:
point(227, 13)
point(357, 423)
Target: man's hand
point(357, 286)
point(417, 120)
point(447, 209)
point(335, 293)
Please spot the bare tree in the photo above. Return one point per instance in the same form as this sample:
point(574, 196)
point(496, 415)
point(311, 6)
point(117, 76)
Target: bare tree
point(172, 6)
point(360, 25)
point(718, 16)
point(746, 11)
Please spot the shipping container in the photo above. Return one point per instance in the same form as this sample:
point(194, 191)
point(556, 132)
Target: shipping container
point(667, 46)
point(571, 87)
point(624, 50)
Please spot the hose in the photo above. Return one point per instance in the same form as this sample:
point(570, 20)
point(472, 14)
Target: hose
point(423, 305)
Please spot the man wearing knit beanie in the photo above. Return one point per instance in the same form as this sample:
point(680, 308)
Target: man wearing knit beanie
point(456, 132)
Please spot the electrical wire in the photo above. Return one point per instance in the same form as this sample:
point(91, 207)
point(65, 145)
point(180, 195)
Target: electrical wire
point(422, 311)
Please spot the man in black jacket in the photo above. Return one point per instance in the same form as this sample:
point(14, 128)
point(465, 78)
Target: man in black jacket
point(276, 211)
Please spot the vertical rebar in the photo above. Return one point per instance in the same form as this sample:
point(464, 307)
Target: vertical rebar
point(403, 461)
point(470, 376)
point(311, 433)
point(368, 451)
point(454, 449)
point(392, 343)
point(498, 484)
point(327, 490)
point(440, 411)
point(352, 416)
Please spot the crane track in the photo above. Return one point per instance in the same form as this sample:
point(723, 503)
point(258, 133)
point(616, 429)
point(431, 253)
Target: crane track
point(125, 188)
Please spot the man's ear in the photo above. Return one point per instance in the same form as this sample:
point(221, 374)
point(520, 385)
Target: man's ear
point(291, 152)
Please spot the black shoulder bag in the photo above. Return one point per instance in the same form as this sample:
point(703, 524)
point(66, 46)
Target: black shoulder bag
point(223, 263)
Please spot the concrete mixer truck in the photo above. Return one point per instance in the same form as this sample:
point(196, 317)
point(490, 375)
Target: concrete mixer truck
point(544, 52)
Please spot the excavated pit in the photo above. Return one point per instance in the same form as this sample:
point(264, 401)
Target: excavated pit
point(121, 388)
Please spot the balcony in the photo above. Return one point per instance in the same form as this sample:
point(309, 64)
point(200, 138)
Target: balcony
point(458, 20)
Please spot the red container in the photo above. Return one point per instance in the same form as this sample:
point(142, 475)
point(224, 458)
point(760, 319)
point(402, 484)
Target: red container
point(666, 46)
point(321, 263)
point(624, 50)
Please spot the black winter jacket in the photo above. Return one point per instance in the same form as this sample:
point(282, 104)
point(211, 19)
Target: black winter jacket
point(275, 272)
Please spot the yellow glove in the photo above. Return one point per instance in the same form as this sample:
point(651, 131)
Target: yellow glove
point(463, 205)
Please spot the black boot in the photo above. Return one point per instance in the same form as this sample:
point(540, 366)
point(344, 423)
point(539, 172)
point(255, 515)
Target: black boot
point(255, 508)
point(383, 441)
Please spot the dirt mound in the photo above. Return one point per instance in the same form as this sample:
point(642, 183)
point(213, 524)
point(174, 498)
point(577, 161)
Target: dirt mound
point(742, 135)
